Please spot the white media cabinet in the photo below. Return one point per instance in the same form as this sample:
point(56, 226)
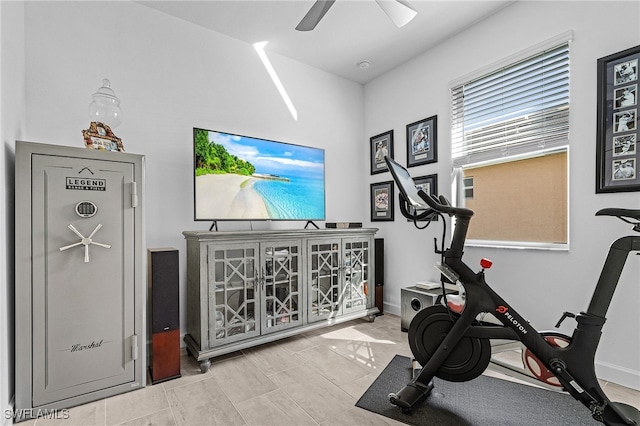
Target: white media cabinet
point(252, 287)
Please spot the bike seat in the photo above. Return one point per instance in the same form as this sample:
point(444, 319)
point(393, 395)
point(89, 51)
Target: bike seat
point(628, 213)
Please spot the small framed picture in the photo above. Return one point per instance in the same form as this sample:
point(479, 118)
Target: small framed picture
point(625, 97)
point(624, 145)
point(381, 146)
point(422, 142)
point(428, 184)
point(617, 154)
point(624, 121)
point(624, 169)
point(382, 201)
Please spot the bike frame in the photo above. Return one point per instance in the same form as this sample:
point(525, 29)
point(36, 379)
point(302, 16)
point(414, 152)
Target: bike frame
point(573, 365)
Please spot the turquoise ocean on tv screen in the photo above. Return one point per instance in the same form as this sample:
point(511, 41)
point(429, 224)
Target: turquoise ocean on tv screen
point(300, 198)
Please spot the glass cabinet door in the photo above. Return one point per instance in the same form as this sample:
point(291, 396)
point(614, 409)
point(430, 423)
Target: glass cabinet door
point(324, 279)
point(234, 308)
point(355, 288)
point(281, 285)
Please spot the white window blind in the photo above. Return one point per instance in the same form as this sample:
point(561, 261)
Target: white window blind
point(519, 109)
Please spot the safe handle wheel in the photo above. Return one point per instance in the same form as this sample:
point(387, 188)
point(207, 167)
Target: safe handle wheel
point(85, 241)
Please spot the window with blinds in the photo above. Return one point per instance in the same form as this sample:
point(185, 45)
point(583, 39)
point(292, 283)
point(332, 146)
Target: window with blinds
point(515, 110)
point(510, 135)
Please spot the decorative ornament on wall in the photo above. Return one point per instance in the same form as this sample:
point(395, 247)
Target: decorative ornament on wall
point(381, 146)
point(382, 205)
point(617, 153)
point(422, 142)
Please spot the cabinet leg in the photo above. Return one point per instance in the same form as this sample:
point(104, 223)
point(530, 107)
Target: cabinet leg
point(205, 365)
point(371, 318)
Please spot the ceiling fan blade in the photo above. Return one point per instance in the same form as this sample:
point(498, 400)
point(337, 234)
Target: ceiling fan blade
point(314, 15)
point(399, 11)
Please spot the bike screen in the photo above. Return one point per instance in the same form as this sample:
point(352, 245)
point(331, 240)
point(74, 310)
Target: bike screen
point(406, 184)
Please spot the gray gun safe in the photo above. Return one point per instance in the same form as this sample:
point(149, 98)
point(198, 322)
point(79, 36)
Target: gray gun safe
point(80, 289)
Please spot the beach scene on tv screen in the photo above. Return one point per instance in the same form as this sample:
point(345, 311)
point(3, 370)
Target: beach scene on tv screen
point(242, 178)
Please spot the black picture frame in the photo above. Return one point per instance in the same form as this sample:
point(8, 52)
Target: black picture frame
point(429, 184)
point(382, 201)
point(422, 142)
point(617, 152)
point(380, 146)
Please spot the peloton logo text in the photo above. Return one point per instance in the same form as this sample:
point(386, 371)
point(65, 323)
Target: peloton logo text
point(505, 311)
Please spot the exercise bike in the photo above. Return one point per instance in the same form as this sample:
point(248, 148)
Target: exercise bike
point(452, 341)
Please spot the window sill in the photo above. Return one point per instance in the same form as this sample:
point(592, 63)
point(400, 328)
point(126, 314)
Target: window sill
point(518, 245)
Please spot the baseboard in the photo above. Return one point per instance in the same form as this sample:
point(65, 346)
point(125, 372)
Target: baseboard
point(391, 309)
point(619, 375)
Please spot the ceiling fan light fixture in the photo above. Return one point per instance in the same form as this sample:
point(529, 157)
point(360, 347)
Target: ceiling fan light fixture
point(399, 11)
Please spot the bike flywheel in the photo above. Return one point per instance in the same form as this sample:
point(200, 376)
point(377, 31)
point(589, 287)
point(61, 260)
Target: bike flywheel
point(466, 361)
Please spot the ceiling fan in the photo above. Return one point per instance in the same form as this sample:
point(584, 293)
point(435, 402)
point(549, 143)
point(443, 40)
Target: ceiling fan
point(399, 11)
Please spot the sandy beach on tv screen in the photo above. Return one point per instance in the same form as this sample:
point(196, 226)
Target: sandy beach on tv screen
point(228, 196)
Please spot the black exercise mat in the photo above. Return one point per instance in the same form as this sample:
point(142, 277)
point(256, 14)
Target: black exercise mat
point(482, 401)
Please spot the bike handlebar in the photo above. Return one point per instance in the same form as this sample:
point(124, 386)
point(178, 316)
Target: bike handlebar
point(442, 205)
point(413, 215)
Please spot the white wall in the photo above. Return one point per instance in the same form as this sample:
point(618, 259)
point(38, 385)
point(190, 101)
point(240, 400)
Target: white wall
point(12, 124)
point(172, 76)
point(539, 284)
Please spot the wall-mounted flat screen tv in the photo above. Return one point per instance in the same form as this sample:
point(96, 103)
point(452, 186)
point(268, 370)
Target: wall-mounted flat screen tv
point(243, 178)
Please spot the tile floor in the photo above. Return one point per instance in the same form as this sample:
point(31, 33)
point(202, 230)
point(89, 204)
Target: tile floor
point(311, 379)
